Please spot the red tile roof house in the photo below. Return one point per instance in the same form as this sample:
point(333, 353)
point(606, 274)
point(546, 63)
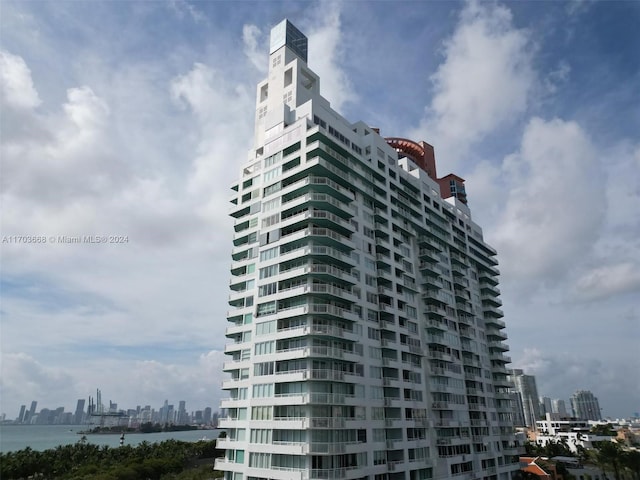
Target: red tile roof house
point(531, 465)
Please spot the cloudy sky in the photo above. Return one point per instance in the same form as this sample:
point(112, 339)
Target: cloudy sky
point(132, 118)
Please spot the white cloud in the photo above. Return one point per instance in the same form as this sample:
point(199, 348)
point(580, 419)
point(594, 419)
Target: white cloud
point(223, 134)
point(487, 192)
point(484, 82)
point(555, 206)
point(609, 280)
point(183, 8)
point(557, 77)
point(25, 379)
point(128, 382)
point(252, 40)
point(17, 86)
point(326, 55)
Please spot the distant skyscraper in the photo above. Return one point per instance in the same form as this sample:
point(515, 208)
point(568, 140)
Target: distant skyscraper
point(182, 417)
point(78, 418)
point(206, 418)
point(31, 413)
point(525, 385)
point(22, 412)
point(559, 406)
point(585, 405)
point(545, 406)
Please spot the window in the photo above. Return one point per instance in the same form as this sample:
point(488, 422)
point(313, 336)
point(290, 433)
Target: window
point(269, 271)
point(261, 413)
point(268, 289)
point(270, 220)
point(264, 348)
point(376, 392)
point(260, 460)
point(272, 189)
point(265, 328)
point(260, 436)
point(273, 159)
point(271, 174)
point(262, 390)
point(377, 413)
point(266, 308)
point(269, 253)
point(271, 204)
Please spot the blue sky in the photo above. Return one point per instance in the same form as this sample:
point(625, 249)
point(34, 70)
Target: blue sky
point(132, 118)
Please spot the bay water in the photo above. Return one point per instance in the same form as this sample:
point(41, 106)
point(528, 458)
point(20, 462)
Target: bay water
point(44, 437)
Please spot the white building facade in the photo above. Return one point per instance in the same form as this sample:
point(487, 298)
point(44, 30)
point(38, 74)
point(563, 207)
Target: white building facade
point(573, 432)
point(365, 335)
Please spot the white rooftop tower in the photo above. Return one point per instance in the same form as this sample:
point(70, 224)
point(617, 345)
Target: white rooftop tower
point(365, 335)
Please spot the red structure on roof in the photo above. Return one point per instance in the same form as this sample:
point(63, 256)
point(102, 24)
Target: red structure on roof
point(423, 156)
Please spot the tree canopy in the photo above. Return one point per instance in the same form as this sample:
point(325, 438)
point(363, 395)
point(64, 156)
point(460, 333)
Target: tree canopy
point(167, 460)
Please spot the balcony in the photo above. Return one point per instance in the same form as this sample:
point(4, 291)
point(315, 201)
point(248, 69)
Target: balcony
point(490, 300)
point(498, 345)
point(437, 310)
point(499, 357)
point(491, 321)
point(327, 422)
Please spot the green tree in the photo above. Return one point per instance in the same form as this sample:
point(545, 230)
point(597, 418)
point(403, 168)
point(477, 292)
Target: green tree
point(533, 449)
point(630, 460)
point(84, 461)
point(557, 449)
point(603, 429)
point(609, 455)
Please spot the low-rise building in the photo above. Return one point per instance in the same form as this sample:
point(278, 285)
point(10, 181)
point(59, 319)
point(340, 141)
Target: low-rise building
point(567, 430)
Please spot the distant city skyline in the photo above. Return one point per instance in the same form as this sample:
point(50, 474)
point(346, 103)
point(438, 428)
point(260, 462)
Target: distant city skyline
point(167, 412)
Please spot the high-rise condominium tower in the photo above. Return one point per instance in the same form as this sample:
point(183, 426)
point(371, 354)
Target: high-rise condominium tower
point(366, 339)
point(585, 405)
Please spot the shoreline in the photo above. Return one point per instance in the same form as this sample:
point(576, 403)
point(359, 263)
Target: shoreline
point(43, 437)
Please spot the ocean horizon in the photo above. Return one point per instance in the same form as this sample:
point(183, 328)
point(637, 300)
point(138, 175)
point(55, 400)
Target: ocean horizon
point(44, 437)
